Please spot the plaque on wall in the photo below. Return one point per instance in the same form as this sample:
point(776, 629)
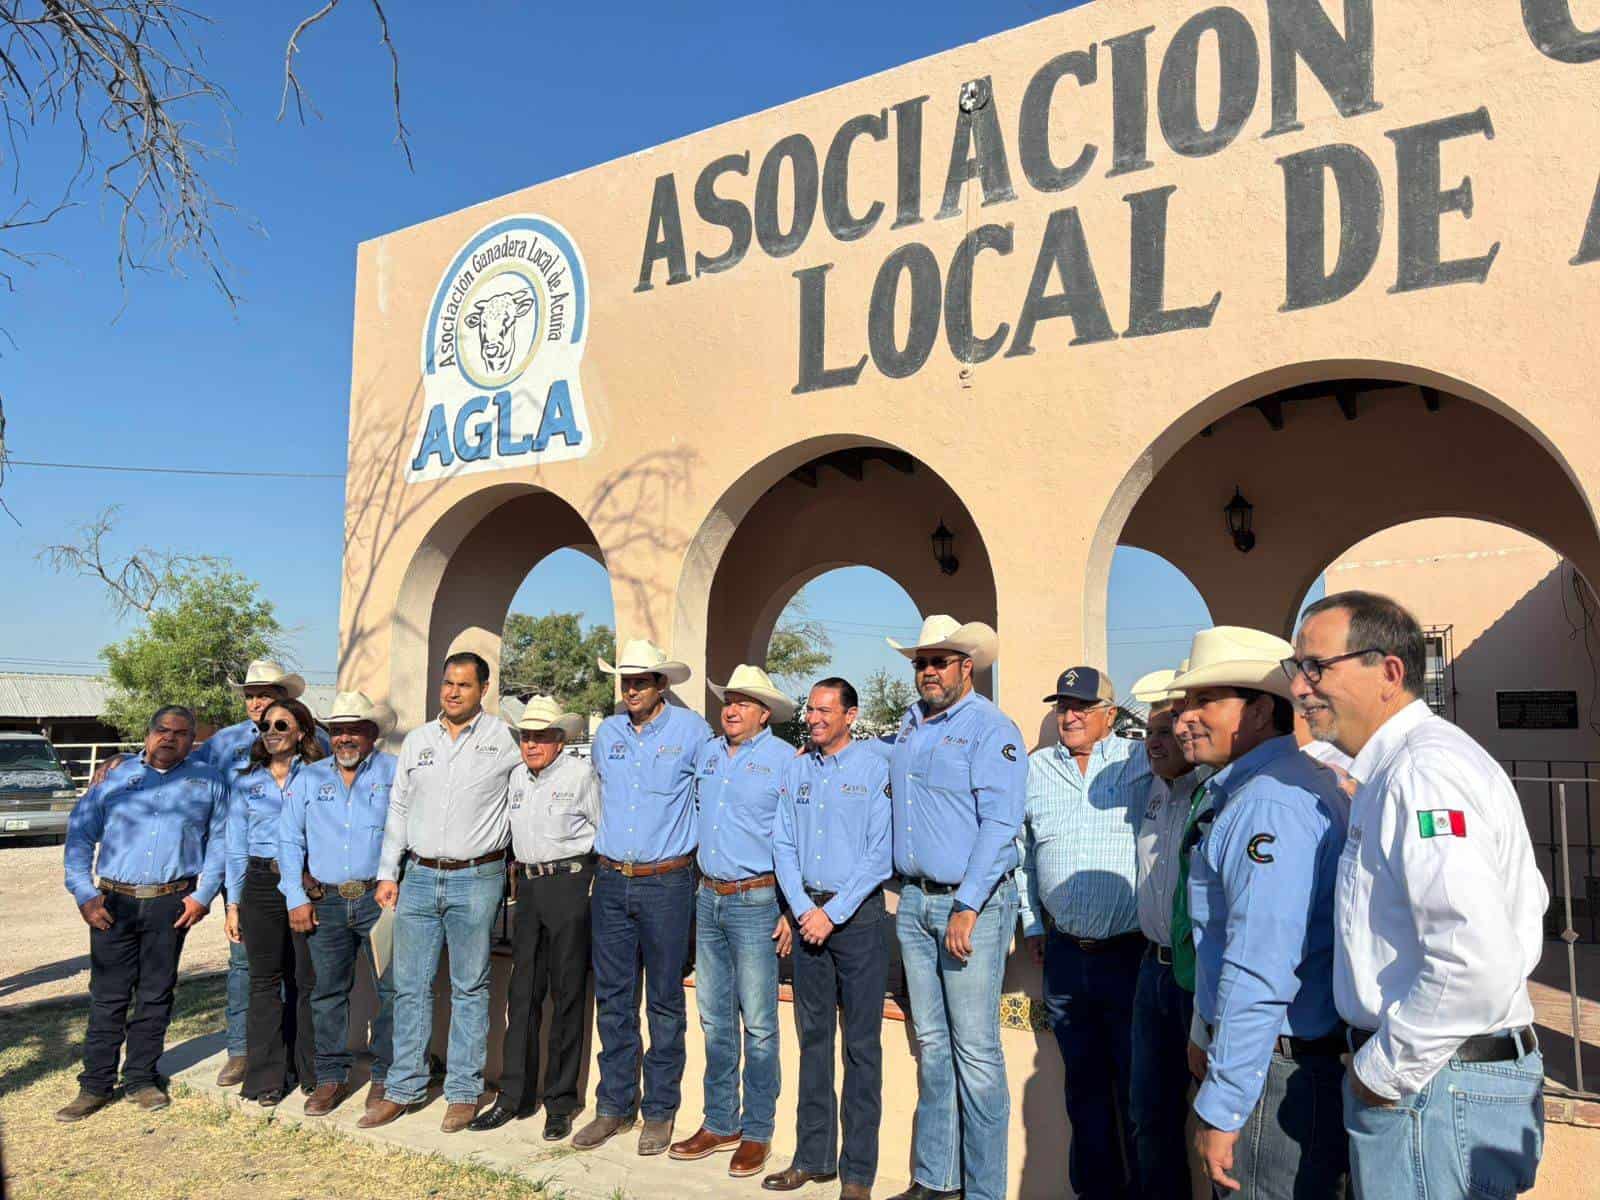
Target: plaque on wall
point(1536, 710)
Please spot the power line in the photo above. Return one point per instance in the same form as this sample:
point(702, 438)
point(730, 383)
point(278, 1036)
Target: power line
point(60, 466)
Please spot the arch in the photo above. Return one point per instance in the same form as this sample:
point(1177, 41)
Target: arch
point(1145, 645)
point(463, 575)
point(820, 504)
point(1334, 451)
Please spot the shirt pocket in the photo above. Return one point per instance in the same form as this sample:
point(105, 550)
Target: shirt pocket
point(1347, 884)
point(950, 773)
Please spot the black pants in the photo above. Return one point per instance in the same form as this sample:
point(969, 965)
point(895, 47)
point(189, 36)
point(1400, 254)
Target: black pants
point(849, 970)
point(136, 957)
point(279, 1039)
point(550, 956)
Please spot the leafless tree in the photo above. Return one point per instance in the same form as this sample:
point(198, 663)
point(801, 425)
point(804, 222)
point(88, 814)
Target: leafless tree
point(129, 79)
point(137, 581)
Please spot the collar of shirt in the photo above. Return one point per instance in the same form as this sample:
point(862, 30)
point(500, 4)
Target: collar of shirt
point(733, 752)
point(1242, 769)
point(467, 730)
point(817, 758)
point(1383, 744)
point(649, 726)
point(917, 714)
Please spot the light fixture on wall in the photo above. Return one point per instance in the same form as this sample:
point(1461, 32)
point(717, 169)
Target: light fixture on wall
point(944, 544)
point(1240, 513)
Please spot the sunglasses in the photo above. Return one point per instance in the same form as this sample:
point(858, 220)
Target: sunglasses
point(939, 662)
point(278, 726)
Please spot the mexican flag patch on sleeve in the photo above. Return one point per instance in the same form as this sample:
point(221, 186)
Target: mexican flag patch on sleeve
point(1442, 822)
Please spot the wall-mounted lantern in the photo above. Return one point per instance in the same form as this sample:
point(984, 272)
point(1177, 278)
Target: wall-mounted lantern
point(944, 544)
point(1240, 513)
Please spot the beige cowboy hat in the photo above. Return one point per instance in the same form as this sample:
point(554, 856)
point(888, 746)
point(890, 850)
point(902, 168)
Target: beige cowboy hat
point(1156, 687)
point(757, 684)
point(644, 657)
point(977, 641)
point(543, 712)
point(349, 708)
point(263, 672)
point(1232, 656)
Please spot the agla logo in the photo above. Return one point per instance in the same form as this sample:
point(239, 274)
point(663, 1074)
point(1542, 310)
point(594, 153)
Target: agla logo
point(500, 354)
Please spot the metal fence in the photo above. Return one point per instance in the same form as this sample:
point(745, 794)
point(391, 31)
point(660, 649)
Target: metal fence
point(83, 759)
point(1564, 825)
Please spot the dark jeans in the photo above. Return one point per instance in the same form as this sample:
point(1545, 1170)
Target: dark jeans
point(136, 958)
point(1158, 1097)
point(344, 930)
point(1089, 998)
point(640, 922)
point(550, 956)
point(1293, 1144)
point(847, 971)
point(279, 1040)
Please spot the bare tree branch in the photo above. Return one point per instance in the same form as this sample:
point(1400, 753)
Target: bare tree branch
point(302, 100)
point(137, 581)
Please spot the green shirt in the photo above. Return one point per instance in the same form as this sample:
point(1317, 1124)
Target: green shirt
point(1182, 928)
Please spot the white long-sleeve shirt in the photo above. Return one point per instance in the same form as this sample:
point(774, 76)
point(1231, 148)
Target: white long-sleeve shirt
point(1440, 906)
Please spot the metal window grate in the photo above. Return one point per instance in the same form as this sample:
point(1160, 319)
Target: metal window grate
point(1438, 680)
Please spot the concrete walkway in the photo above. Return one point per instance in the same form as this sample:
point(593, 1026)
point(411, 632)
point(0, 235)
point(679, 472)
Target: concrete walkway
point(613, 1172)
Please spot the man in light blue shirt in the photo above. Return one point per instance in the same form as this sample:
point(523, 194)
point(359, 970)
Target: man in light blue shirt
point(1079, 873)
point(157, 822)
point(739, 930)
point(330, 837)
point(832, 851)
point(1267, 1038)
point(643, 902)
point(958, 771)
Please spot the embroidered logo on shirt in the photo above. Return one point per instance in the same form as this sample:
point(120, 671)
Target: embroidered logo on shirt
point(952, 740)
point(618, 751)
point(711, 766)
point(516, 798)
point(1009, 752)
point(242, 753)
point(325, 792)
point(660, 750)
point(853, 789)
point(488, 748)
point(257, 790)
point(756, 768)
point(803, 795)
point(1442, 822)
point(425, 757)
point(1255, 848)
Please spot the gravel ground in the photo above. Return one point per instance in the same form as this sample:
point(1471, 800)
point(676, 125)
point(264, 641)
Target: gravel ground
point(44, 949)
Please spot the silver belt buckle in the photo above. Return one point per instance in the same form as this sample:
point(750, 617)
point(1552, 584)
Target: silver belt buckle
point(352, 890)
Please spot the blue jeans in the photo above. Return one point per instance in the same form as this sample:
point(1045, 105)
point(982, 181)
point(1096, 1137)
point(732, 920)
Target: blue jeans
point(344, 930)
point(238, 998)
point(438, 909)
point(736, 977)
point(1158, 1097)
point(963, 1107)
point(640, 922)
point(1089, 998)
point(1292, 1145)
point(1476, 1129)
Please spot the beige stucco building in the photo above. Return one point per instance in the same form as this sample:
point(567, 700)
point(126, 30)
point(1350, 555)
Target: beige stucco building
point(1063, 289)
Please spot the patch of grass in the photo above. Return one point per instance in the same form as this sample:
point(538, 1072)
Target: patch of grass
point(197, 1147)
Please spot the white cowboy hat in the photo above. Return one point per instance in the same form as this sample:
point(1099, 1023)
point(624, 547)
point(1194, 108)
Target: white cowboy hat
point(977, 641)
point(1232, 656)
point(351, 707)
point(263, 672)
point(643, 657)
point(757, 684)
point(1156, 687)
point(542, 712)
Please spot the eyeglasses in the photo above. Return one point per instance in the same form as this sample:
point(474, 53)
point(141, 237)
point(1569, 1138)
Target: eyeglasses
point(1312, 668)
point(1066, 710)
point(278, 726)
point(637, 685)
point(939, 662)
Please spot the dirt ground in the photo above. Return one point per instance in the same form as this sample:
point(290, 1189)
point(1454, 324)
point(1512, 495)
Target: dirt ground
point(44, 952)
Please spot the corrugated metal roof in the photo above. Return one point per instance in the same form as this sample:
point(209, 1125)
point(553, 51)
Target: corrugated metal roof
point(34, 696)
point(45, 696)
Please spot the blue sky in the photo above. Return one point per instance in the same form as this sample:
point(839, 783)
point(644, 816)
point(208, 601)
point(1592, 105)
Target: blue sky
point(166, 374)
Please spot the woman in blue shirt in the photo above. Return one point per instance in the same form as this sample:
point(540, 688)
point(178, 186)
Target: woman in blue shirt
point(278, 1036)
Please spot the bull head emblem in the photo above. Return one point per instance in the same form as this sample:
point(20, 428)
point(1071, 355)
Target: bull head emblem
point(495, 318)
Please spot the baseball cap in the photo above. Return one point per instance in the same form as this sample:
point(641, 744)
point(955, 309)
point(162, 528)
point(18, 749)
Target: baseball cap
point(1087, 684)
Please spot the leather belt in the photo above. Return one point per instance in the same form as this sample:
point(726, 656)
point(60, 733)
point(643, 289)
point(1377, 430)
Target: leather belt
point(638, 870)
point(264, 864)
point(1162, 954)
point(459, 864)
point(1121, 941)
point(1506, 1046)
point(560, 866)
point(352, 889)
point(735, 887)
point(146, 891)
point(932, 887)
point(1329, 1045)
point(820, 898)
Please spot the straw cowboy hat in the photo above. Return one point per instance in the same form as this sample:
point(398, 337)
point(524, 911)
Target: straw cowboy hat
point(977, 641)
point(1231, 656)
point(757, 684)
point(264, 672)
point(349, 708)
point(542, 712)
point(644, 657)
point(1156, 687)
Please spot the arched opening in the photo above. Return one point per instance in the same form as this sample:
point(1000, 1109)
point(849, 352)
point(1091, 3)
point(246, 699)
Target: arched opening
point(1153, 612)
point(816, 507)
point(560, 621)
point(464, 577)
point(1324, 455)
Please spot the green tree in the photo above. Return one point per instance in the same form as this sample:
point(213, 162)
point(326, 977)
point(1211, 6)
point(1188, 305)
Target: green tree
point(799, 647)
point(553, 656)
point(884, 701)
point(208, 623)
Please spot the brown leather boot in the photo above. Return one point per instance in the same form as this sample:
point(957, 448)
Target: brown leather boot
point(326, 1098)
point(855, 1191)
point(149, 1097)
point(749, 1158)
point(601, 1130)
point(655, 1137)
point(374, 1095)
point(703, 1144)
point(791, 1178)
point(86, 1104)
point(232, 1073)
point(381, 1113)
